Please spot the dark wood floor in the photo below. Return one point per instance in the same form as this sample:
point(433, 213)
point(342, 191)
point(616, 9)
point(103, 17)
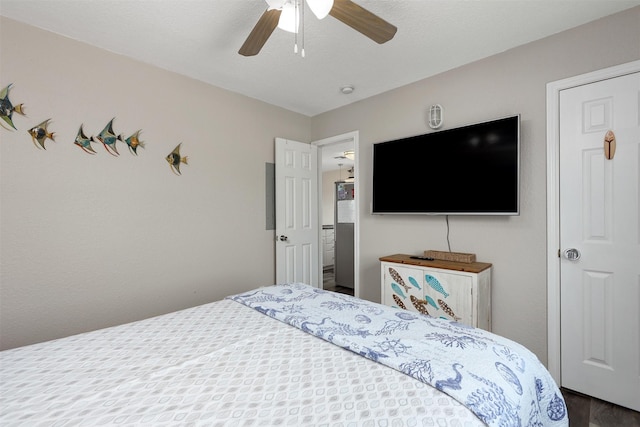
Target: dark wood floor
point(329, 283)
point(587, 411)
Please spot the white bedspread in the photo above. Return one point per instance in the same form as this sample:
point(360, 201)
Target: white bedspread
point(217, 364)
point(502, 382)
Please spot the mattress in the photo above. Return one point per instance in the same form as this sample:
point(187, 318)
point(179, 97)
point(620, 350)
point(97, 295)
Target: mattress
point(219, 364)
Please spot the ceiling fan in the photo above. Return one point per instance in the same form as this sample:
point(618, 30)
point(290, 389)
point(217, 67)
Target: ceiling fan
point(281, 13)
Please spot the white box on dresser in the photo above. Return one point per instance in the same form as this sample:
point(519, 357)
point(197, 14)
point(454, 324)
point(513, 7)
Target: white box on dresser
point(447, 289)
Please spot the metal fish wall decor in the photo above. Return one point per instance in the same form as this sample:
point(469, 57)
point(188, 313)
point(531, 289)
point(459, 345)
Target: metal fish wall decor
point(108, 138)
point(39, 134)
point(84, 142)
point(133, 142)
point(174, 159)
point(7, 108)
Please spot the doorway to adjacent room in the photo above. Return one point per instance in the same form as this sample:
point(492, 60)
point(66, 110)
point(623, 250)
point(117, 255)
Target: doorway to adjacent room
point(338, 212)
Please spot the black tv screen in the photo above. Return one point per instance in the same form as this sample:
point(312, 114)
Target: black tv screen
point(470, 170)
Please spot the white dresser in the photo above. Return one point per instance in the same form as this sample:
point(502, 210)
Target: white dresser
point(446, 289)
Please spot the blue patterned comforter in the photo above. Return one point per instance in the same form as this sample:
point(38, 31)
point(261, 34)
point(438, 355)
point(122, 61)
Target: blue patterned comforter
point(499, 380)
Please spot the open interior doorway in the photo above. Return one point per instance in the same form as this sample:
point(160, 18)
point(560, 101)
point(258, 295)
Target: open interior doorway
point(338, 212)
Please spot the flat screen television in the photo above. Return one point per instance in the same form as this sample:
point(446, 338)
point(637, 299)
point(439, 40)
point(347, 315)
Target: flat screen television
point(469, 170)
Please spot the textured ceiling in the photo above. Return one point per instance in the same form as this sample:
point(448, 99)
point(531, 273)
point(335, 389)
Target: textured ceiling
point(200, 39)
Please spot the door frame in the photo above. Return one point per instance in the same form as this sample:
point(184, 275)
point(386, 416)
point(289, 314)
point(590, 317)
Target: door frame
point(345, 137)
point(553, 201)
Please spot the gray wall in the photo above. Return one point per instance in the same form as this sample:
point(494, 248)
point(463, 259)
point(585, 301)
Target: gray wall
point(508, 83)
point(91, 241)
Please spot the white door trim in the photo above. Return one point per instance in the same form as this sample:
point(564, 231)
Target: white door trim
point(553, 201)
point(345, 137)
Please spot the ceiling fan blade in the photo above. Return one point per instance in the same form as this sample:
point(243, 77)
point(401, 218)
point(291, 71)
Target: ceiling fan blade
point(363, 21)
point(261, 32)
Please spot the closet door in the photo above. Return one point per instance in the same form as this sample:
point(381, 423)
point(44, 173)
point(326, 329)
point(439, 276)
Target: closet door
point(600, 239)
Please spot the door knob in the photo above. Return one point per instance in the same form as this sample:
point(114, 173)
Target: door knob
point(572, 254)
point(283, 238)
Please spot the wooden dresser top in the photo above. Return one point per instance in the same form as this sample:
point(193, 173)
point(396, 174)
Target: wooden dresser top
point(473, 267)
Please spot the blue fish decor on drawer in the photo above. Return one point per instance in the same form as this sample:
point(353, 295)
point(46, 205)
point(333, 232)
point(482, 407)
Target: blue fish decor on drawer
point(397, 290)
point(84, 142)
point(435, 284)
point(39, 134)
point(133, 142)
point(7, 108)
point(431, 302)
point(174, 160)
point(414, 282)
point(109, 138)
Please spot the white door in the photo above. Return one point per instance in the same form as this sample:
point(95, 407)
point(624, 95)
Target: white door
point(297, 233)
point(600, 240)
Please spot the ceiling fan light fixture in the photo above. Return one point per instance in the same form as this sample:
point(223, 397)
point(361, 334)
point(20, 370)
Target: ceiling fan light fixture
point(289, 18)
point(289, 15)
point(275, 4)
point(320, 8)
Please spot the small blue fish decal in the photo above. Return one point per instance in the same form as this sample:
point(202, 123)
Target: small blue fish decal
point(133, 142)
point(7, 108)
point(397, 290)
point(39, 134)
point(109, 138)
point(84, 142)
point(435, 284)
point(414, 282)
point(431, 302)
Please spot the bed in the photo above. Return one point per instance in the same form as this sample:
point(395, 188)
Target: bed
point(280, 355)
